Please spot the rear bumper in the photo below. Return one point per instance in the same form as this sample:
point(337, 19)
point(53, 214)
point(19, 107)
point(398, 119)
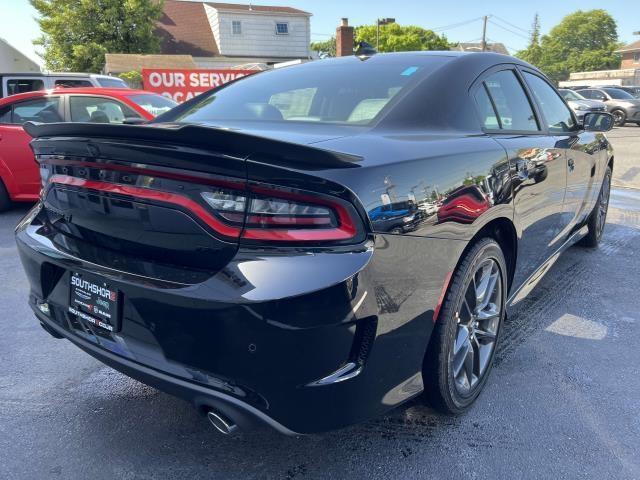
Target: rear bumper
point(203, 398)
point(301, 342)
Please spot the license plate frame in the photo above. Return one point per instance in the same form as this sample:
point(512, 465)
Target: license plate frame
point(94, 300)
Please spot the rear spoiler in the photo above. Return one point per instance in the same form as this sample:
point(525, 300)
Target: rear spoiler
point(50, 138)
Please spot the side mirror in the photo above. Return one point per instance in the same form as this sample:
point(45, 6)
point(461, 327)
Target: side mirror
point(598, 122)
point(134, 121)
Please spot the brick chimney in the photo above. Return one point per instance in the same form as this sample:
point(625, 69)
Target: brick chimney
point(344, 39)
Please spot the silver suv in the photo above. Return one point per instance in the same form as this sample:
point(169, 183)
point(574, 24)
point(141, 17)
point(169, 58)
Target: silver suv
point(12, 83)
point(624, 107)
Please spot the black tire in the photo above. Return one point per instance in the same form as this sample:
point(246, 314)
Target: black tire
point(619, 117)
point(443, 387)
point(638, 123)
point(5, 201)
point(598, 217)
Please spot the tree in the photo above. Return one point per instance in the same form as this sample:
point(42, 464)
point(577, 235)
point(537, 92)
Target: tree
point(77, 33)
point(133, 78)
point(533, 53)
point(397, 38)
point(582, 41)
point(328, 47)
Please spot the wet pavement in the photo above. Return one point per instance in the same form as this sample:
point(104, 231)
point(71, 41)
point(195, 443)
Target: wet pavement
point(562, 402)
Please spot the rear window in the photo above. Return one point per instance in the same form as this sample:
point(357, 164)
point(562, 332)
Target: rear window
point(112, 83)
point(352, 92)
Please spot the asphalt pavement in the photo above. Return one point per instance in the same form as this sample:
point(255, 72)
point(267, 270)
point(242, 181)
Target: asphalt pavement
point(562, 402)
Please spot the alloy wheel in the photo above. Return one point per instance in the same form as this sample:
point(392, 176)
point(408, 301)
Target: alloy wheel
point(618, 117)
point(478, 321)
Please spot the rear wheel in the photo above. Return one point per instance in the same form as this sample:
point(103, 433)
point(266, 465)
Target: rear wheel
point(5, 201)
point(619, 117)
point(598, 217)
point(460, 355)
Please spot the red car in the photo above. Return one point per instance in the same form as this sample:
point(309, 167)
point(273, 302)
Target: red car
point(19, 175)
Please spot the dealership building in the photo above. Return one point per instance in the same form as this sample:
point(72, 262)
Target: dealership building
point(223, 35)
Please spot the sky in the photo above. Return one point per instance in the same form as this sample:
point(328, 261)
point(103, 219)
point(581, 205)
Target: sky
point(460, 21)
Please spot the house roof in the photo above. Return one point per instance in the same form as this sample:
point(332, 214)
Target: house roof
point(256, 8)
point(632, 47)
point(125, 62)
point(184, 29)
point(477, 47)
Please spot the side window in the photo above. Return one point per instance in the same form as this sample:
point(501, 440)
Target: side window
point(556, 113)
point(98, 110)
point(488, 115)
point(598, 95)
point(22, 85)
point(5, 114)
point(236, 27)
point(69, 83)
point(586, 93)
point(44, 110)
point(513, 107)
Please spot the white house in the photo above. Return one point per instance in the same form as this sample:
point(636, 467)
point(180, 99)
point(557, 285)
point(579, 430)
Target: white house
point(13, 61)
point(225, 34)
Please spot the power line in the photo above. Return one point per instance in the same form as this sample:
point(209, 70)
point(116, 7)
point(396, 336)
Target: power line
point(455, 25)
point(509, 30)
point(510, 24)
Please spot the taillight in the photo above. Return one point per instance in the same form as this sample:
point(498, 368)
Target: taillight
point(280, 216)
point(258, 214)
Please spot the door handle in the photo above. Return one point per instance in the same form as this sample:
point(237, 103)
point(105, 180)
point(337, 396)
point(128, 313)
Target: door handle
point(572, 164)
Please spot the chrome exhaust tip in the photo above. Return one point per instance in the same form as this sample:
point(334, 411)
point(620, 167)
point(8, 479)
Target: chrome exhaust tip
point(221, 423)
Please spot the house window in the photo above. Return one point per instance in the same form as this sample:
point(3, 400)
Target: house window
point(236, 27)
point(636, 57)
point(282, 28)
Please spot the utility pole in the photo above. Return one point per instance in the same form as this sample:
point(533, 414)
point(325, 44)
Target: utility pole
point(484, 33)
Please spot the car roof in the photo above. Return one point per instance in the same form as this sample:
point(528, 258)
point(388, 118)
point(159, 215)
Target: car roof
point(55, 74)
point(110, 92)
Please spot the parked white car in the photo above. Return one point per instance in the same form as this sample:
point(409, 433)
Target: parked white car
point(12, 83)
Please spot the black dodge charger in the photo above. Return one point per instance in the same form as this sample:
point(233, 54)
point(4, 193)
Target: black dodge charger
point(259, 251)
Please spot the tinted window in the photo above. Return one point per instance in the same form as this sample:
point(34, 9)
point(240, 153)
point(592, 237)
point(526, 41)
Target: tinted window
point(556, 113)
point(511, 102)
point(112, 83)
point(23, 85)
point(352, 92)
point(99, 110)
point(5, 114)
point(73, 83)
point(619, 94)
point(488, 115)
point(44, 110)
point(592, 94)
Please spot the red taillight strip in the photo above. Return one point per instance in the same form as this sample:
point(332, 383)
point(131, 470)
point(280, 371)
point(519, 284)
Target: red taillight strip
point(150, 194)
point(346, 229)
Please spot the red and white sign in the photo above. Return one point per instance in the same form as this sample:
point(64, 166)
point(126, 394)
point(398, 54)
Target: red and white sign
point(182, 85)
